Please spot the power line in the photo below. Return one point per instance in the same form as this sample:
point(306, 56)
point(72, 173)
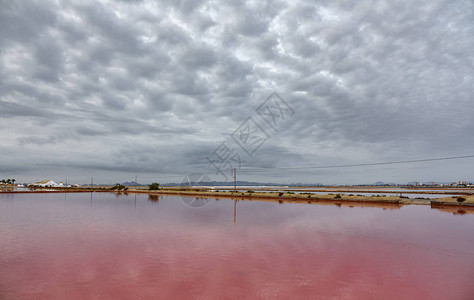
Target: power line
point(268, 169)
point(263, 169)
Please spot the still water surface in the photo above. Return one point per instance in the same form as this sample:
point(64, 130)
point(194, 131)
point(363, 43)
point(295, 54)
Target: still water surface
point(103, 246)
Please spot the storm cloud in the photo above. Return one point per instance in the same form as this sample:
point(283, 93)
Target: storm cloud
point(110, 89)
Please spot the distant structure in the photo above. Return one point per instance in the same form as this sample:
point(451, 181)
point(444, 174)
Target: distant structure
point(47, 183)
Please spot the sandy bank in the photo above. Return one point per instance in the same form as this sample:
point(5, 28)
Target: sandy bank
point(286, 196)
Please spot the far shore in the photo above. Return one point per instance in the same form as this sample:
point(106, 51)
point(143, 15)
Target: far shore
point(285, 195)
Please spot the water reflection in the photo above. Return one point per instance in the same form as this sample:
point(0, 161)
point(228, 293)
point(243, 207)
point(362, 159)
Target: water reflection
point(154, 198)
point(344, 203)
point(455, 210)
point(194, 201)
point(235, 211)
point(128, 247)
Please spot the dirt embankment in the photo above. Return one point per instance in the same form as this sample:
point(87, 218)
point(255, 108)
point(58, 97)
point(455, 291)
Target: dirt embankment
point(285, 196)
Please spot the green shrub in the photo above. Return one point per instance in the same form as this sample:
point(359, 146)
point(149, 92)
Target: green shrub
point(154, 186)
point(119, 187)
point(337, 196)
point(461, 199)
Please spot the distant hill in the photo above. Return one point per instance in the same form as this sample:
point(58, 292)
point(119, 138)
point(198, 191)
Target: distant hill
point(381, 183)
point(255, 183)
point(238, 183)
point(132, 183)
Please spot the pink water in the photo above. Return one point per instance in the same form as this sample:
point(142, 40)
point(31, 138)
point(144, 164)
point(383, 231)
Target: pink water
point(100, 246)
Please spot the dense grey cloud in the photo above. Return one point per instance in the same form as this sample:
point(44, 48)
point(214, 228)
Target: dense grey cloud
point(111, 89)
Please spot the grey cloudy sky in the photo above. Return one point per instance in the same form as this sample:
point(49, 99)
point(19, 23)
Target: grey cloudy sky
point(111, 89)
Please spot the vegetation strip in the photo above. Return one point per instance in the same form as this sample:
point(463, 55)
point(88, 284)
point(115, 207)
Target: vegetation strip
point(467, 200)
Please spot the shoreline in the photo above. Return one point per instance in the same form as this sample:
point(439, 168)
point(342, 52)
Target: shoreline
point(287, 196)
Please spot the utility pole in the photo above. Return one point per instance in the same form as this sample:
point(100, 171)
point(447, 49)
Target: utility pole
point(136, 183)
point(235, 180)
point(92, 181)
